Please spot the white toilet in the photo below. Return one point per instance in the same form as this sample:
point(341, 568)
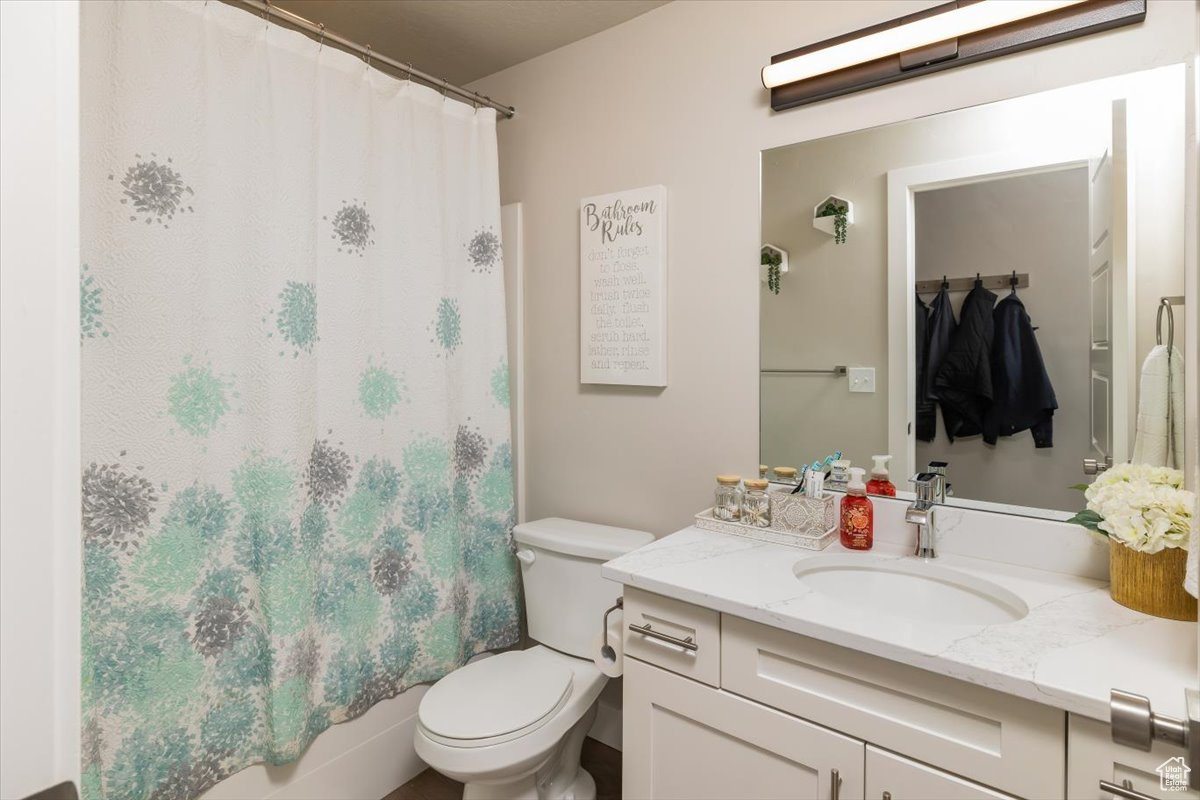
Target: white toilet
point(512, 725)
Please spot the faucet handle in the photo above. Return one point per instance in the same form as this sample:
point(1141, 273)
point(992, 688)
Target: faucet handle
point(941, 487)
point(924, 484)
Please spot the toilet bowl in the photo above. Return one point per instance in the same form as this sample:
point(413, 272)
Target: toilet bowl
point(511, 726)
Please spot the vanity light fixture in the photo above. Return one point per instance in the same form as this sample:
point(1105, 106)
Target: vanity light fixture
point(950, 24)
point(954, 33)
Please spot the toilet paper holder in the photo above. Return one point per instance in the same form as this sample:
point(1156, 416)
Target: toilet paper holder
point(606, 650)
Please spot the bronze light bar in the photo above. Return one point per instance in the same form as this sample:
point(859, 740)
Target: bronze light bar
point(1045, 23)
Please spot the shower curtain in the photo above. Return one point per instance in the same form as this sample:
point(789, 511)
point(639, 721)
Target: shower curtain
point(297, 492)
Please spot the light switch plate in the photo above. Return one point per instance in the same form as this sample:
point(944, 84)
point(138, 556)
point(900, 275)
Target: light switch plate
point(862, 379)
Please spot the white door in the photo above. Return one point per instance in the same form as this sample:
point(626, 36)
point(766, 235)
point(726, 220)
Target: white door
point(692, 742)
point(1108, 275)
point(893, 777)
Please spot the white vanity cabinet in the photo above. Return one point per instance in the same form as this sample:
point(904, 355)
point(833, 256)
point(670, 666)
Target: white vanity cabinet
point(893, 777)
point(736, 709)
point(1094, 757)
point(1015, 745)
point(687, 741)
point(677, 636)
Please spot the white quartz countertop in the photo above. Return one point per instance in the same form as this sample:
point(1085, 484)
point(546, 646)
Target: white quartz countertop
point(1074, 645)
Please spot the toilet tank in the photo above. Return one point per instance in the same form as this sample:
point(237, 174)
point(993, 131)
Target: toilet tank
point(565, 596)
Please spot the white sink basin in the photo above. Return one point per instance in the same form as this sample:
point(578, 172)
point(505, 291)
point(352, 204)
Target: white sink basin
point(910, 589)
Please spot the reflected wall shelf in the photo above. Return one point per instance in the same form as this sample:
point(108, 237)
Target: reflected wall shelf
point(826, 224)
point(783, 264)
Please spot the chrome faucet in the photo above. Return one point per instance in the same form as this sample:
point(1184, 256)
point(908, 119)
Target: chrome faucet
point(941, 489)
point(929, 485)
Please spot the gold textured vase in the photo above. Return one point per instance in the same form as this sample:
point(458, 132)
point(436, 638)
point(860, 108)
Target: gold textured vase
point(1150, 582)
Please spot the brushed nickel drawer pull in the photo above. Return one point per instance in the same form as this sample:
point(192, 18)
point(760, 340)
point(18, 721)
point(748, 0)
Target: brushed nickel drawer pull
point(835, 784)
point(647, 631)
point(1125, 790)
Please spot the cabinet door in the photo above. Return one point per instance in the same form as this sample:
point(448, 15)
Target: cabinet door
point(1008, 742)
point(1095, 757)
point(689, 741)
point(893, 777)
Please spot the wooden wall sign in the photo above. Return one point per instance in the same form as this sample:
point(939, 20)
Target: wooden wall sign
point(623, 288)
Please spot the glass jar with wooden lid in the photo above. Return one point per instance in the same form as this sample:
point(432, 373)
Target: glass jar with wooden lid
point(756, 505)
point(727, 500)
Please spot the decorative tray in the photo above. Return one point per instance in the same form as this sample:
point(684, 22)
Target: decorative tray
point(773, 534)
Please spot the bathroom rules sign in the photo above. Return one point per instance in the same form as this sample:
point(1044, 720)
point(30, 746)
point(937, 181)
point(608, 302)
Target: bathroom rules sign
point(623, 288)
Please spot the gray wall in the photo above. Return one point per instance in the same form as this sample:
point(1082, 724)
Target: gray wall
point(1036, 224)
point(673, 97)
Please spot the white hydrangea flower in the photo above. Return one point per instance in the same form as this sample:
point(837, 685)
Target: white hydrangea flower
point(1145, 508)
point(1140, 473)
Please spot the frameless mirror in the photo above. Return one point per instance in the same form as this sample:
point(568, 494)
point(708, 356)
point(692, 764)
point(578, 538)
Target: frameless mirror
point(983, 288)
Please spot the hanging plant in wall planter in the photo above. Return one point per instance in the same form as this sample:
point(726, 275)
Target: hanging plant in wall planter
point(774, 265)
point(834, 215)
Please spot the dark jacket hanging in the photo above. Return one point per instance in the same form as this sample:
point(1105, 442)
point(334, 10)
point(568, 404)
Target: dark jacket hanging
point(964, 379)
point(921, 345)
point(939, 330)
point(1024, 398)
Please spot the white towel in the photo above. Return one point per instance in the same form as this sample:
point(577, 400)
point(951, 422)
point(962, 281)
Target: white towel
point(1159, 438)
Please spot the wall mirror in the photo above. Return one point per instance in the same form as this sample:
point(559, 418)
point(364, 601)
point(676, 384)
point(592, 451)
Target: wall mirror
point(888, 252)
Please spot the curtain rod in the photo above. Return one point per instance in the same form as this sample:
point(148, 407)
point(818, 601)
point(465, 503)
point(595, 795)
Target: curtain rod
point(269, 10)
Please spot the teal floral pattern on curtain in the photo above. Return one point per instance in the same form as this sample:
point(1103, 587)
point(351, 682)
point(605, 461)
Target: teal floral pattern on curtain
point(297, 492)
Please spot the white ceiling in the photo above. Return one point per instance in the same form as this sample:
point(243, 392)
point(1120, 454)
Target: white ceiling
point(464, 40)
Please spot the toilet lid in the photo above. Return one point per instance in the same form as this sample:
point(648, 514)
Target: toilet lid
point(495, 696)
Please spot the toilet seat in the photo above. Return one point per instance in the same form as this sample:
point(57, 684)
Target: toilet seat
point(495, 700)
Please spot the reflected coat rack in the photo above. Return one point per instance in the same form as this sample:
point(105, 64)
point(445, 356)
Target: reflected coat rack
point(996, 282)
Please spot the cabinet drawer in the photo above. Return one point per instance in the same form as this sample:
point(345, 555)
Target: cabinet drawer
point(897, 778)
point(686, 741)
point(1012, 744)
point(699, 659)
point(1095, 757)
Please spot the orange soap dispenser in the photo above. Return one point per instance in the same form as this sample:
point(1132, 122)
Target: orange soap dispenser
point(858, 517)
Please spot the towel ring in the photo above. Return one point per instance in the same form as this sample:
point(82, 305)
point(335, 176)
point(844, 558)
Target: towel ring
point(1165, 304)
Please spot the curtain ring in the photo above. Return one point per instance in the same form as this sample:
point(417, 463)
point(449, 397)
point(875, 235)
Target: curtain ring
point(267, 14)
point(321, 40)
point(408, 75)
point(367, 55)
